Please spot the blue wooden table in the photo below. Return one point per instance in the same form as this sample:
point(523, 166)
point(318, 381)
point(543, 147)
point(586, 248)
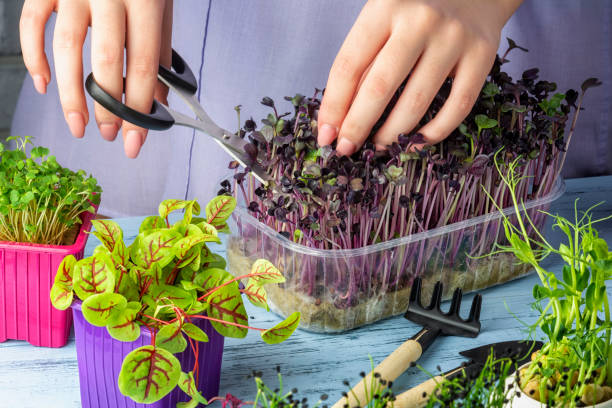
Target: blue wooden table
point(313, 363)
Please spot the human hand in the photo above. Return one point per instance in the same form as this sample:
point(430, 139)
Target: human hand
point(142, 27)
point(428, 39)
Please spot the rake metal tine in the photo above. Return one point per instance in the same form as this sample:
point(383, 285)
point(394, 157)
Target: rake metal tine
point(475, 309)
point(415, 292)
point(436, 297)
point(456, 302)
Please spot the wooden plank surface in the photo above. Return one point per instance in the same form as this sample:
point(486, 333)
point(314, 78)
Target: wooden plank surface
point(313, 363)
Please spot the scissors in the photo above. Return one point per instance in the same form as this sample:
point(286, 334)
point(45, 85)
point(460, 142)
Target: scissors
point(181, 80)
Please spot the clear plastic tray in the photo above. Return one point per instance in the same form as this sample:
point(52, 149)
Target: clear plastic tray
point(338, 290)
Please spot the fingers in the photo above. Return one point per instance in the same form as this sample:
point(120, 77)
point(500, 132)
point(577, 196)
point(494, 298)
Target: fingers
point(107, 46)
point(471, 74)
point(427, 77)
point(366, 38)
point(34, 16)
point(70, 31)
point(165, 56)
point(144, 30)
point(389, 69)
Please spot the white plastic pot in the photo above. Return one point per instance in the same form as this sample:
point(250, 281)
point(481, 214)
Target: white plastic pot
point(523, 400)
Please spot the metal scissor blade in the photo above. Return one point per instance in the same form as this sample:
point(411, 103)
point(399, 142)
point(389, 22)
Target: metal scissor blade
point(231, 143)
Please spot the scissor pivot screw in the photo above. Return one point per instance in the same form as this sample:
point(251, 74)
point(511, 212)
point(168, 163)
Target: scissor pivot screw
point(226, 136)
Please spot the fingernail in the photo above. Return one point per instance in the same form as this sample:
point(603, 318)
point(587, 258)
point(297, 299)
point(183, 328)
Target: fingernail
point(346, 147)
point(40, 84)
point(109, 131)
point(327, 134)
point(133, 142)
point(76, 123)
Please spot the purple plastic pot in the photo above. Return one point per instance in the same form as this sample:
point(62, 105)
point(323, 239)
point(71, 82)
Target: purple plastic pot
point(99, 357)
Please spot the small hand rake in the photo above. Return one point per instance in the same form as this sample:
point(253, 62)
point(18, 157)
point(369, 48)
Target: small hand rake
point(434, 322)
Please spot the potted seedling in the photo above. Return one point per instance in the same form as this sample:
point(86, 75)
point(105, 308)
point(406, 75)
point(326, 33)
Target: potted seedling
point(351, 233)
point(45, 214)
point(150, 317)
point(573, 368)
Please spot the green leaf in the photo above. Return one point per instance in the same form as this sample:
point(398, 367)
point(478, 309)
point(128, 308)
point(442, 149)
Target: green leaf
point(99, 309)
point(225, 303)
point(93, 275)
point(192, 403)
point(148, 374)
point(65, 271)
point(108, 232)
point(256, 294)
point(210, 231)
point(123, 326)
point(283, 330)
point(484, 122)
point(61, 296)
point(490, 89)
point(195, 332)
point(266, 273)
point(172, 295)
point(155, 247)
point(188, 385)
point(215, 261)
point(168, 206)
point(219, 209)
point(152, 223)
point(566, 254)
point(171, 338)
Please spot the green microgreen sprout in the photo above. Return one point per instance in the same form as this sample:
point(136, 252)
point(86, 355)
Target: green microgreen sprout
point(166, 281)
point(574, 312)
point(41, 201)
point(487, 390)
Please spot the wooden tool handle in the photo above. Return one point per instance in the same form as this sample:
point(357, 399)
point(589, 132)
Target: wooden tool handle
point(418, 396)
point(390, 368)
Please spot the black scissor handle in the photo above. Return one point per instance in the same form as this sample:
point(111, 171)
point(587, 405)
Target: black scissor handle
point(180, 76)
point(159, 118)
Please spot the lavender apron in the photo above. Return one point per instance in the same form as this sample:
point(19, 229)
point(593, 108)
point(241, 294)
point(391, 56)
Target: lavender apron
point(242, 50)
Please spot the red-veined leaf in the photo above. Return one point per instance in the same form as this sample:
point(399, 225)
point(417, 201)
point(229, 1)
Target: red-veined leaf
point(256, 294)
point(123, 326)
point(61, 296)
point(187, 249)
point(170, 338)
point(93, 275)
point(99, 309)
point(107, 231)
point(266, 273)
point(148, 374)
point(168, 206)
point(219, 209)
point(155, 247)
point(283, 330)
point(152, 223)
point(188, 385)
point(166, 295)
point(65, 271)
point(195, 332)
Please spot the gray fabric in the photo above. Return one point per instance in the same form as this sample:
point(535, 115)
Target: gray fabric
point(274, 48)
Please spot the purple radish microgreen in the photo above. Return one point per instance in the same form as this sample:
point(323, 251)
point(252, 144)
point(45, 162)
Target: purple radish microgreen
point(166, 281)
point(323, 201)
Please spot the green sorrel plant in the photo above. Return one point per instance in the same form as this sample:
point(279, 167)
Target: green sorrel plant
point(40, 201)
point(164, 281)
point(574, 308)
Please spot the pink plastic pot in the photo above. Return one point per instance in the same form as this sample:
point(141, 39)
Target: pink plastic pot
point(100, 357)
point(27, 272)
